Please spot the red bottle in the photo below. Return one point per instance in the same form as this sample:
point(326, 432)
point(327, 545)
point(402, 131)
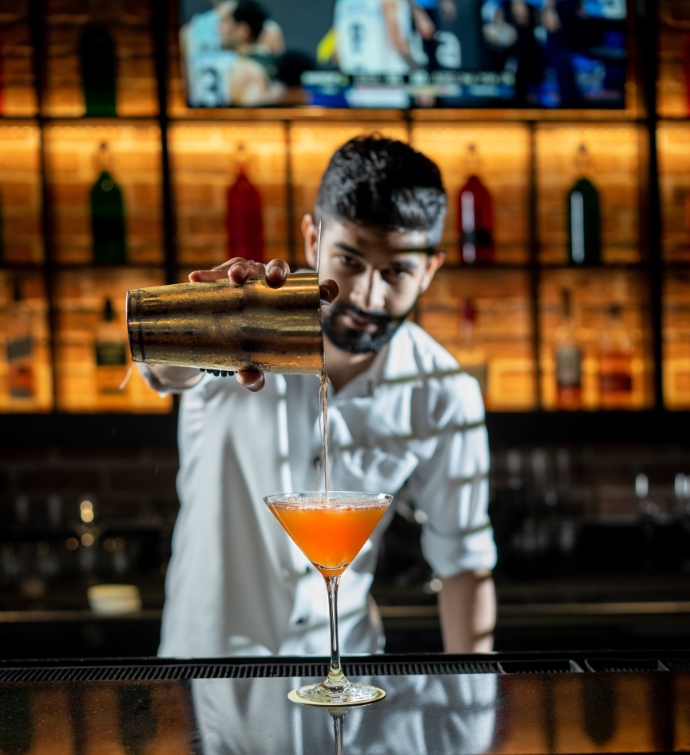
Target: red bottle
point(475, 218)
point(243, 220)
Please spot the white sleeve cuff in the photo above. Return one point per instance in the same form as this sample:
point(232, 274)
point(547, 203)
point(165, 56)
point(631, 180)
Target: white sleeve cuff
point(459, 552)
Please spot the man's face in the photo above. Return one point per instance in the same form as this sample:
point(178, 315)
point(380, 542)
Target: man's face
point(379, 278)
point(229, 30)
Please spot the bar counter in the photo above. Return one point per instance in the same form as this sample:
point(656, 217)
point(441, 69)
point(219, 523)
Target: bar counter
point(435, 704)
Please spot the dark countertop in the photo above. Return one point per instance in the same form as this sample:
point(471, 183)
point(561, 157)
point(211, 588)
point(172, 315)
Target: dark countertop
point(440, 705)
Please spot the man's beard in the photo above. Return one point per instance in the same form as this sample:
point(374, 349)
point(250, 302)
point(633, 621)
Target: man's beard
point(356, 341)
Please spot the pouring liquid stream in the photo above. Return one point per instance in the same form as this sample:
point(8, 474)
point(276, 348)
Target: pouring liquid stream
point(323, 389)
point(323, 421)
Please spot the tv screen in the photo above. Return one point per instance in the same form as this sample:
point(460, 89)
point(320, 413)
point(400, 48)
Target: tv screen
point(404, 53)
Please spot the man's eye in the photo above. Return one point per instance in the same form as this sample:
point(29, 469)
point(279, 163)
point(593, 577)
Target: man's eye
point(399, 272)
point(346, 261)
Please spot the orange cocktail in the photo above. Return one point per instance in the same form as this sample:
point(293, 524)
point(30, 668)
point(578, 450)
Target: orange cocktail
point(330, 529)
point(330, 536)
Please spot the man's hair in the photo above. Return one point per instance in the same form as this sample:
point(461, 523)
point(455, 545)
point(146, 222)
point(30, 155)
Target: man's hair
point(381, 182)
point(251, 13)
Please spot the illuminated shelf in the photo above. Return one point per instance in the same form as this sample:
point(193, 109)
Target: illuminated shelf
point(94, 267)
point(316, 114)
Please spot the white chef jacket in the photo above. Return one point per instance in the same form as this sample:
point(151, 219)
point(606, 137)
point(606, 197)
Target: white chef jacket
point(236, 584)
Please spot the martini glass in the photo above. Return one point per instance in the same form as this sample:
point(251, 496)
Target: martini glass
point(330, 530)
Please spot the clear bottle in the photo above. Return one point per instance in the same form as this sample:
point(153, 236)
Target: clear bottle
point(583, 211)
point(568, 359)
point(471, 355)
point(475, 216)
point(110, 353)
point(615, 363)
point(107, 215)
point(20, 347)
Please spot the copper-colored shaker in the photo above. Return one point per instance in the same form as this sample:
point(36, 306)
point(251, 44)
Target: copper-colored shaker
point(223, 326)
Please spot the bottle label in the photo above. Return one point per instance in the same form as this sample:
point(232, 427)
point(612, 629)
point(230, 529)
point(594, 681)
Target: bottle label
point(569, 367)
point(110, 354)
point(21, 348)
point(615, 382)
point(21, 380)
point(577, 227)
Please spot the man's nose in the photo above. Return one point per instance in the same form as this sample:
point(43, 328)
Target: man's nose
point(369, 293)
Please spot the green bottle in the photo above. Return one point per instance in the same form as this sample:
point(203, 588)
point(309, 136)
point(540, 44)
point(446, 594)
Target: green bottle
point(584, 223)
point(98, 70)
point(110, 353)
point(107, 217)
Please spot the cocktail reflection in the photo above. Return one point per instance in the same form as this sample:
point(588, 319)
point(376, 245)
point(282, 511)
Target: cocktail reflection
point(446, 715)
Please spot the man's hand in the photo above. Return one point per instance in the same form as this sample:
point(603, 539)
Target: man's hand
point(239, 270)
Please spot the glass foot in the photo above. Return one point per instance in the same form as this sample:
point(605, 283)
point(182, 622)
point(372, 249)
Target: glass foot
point(351, 693)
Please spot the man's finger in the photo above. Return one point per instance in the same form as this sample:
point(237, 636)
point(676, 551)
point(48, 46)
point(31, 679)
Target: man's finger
point(204, 276)
point(328, 290)
point(252, 380)
point(240, 271)
point(215, 273)
point(277, 271)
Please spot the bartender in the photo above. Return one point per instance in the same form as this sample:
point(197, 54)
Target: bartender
point(403, 419)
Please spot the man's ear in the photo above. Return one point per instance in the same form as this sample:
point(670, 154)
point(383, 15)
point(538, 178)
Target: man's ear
point(311, 238)
point(433, 263)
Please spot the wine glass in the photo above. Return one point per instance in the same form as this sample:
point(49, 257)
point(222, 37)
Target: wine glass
point(330, 529)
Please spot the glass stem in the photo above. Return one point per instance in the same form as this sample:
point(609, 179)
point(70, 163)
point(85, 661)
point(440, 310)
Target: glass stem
point(336, 678)
point(338, 730)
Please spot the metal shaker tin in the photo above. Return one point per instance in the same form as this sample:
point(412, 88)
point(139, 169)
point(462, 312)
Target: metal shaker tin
point(223, 326)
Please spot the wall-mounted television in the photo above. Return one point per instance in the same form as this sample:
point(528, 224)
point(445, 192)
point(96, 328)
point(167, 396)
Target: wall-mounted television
point(404, 53)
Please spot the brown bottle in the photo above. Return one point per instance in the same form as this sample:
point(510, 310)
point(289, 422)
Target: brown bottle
point(615, 363)
point(21, 378)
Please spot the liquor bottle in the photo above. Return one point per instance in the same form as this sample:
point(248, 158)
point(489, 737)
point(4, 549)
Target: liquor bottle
point(2, 78)
point(98, 70)
point(107, 216)
point(471, 355)
point(21, 381)
point(615, 363)
point(584, 225)
point(475, 216)
point(243, 220)
point(2, 234)
point(685, 59)
point(110, 352)
point(568, 358)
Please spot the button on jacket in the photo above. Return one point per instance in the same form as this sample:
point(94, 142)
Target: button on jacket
point(236, 584)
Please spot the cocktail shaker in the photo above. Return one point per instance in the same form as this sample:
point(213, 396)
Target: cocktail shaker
point(224, 326)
